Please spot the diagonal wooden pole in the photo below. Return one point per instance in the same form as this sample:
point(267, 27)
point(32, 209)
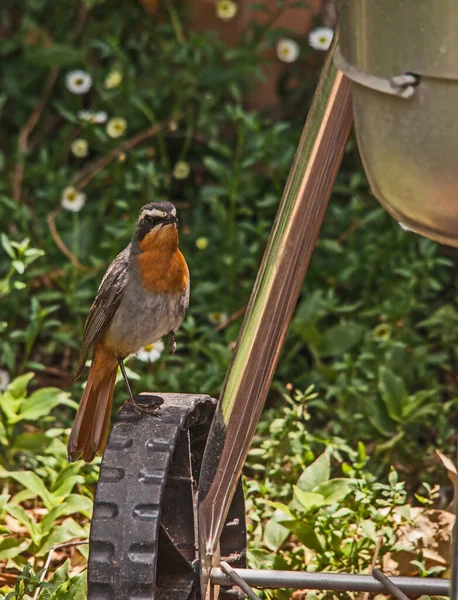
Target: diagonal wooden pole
point(271, 306)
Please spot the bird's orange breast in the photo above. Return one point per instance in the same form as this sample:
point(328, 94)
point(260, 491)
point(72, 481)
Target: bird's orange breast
point(162, 266)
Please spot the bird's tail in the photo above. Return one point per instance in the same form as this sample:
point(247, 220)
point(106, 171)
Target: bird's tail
point(89, 433)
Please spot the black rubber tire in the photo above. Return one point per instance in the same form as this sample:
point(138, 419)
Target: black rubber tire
point(142, 543)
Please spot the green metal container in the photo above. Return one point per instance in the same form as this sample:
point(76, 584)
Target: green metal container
point(402, 57)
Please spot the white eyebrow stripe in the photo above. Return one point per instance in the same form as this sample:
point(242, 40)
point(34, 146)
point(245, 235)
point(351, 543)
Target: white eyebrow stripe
point(154, 213)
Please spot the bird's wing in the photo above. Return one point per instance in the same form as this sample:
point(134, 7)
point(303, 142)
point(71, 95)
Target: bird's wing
point(104, 306)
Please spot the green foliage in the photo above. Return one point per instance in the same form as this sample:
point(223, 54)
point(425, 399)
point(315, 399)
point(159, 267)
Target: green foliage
point(61, 585)
point(308, 518)
point(17, 409)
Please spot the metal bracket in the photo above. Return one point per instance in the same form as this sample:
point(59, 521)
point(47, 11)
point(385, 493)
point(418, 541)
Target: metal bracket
point(402, 86)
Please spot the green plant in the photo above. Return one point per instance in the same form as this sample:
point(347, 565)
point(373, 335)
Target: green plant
point(17, 409)
point(306, 518)
point(60, 586)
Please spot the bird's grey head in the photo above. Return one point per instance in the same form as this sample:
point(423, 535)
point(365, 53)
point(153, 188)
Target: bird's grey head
point(154, 216)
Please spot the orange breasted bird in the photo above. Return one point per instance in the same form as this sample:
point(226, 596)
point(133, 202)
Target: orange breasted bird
point(143, 296)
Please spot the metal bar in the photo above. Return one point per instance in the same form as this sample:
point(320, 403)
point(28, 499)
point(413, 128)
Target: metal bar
point(389, 584)
point(271, 306)
point(232, 573)
point(342, 582)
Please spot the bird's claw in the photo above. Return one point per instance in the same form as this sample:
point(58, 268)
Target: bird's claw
point(150, 407)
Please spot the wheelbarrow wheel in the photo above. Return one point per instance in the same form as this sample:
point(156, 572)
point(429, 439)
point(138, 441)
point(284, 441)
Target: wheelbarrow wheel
point(142, 544)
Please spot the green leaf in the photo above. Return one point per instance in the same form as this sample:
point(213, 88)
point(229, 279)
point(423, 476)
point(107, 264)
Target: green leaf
point(40, 404)
point(378, 415)
point(305, 533)
point(393, 393)
point(59, 55)
point(74, 589)
point(58, 535)
point(75, 503)
point(369, 529)
point(11, 547)
point(67, 486)
point(217, 169)
point(31, 482)
point(308, 500)
point(316, 473)
point(334, 490)
point(19, 266)
point(280, 506)
point(341, 338)
point(18, 386)
point(19, 513)
point(61, 575)
point(7, 246)
point(275, 535)
point(69, 471)
point(31, 442)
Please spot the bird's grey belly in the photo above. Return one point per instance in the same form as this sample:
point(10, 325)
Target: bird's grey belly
point(142, 318)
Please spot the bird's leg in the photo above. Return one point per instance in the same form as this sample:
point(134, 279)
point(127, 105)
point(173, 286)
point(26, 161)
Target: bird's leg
point(138, 408)
point(173, 340)
point(131, 402)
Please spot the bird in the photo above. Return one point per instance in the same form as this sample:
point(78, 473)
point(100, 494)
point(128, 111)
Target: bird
point(143, 296)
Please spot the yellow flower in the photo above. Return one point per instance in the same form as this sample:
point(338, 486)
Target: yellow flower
point(80, 148)
point(202, 243)
point(181, 170)
point(382, 331)
point(226, 10)
point(116, 127)
point(113, 79)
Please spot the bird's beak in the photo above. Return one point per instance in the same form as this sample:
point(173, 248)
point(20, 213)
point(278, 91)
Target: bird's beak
point(170, 220)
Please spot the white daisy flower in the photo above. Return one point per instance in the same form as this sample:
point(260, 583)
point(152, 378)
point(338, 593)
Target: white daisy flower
point(86, 115)
point(80, 148)
point(321, 38)
point(287, 50)
point(72, 200)
point(5, 378)
point(226, 10)
point(181, 170)
point(100, 116)
point(152, 352)
point(116, 127)
point(78, 82)
point(113, 79)
point(89, 116)
point(216, 318)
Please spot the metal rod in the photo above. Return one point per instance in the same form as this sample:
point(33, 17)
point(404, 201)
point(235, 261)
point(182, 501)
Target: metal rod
point(243, 585)
point(342, 582)
point(271, 306)
point(389, 584)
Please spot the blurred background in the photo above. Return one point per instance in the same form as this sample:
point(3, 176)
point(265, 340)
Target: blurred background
point(106, 106)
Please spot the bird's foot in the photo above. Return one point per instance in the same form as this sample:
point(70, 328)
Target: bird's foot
point(173, 341)
point(147, 404)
